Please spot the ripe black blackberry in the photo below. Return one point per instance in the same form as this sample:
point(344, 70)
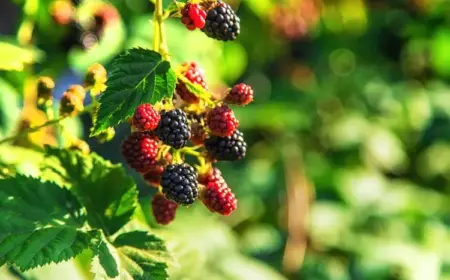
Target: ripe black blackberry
point(179, 183)
point(173, 128)
point(229, 148)
point(222, 23)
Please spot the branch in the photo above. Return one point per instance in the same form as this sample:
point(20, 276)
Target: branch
point(27, 131)
point(299, 194)
point(159, 41)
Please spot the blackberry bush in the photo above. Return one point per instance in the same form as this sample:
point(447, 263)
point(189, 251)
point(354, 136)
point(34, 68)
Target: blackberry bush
point(83, 201)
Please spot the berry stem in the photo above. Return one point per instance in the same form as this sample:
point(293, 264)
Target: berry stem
point(37, 128)
point(190, 151)
point(159, 40)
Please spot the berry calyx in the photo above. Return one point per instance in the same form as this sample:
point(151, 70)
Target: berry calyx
point(195, 75)
point(193, 16)
point(229, 148)
point(163, 209)
point(146, 117)
point(179, 183)
point(173, 128)
point(219, 198)
point(140, 150)
point(240, 94)
point(221, 121)
point(222, 23)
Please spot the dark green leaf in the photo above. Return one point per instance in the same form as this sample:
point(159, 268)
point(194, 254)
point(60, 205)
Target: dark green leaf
point(137, 76)
point(27, 204)
point(141, 256)
point(39, 223)
point(109, 195)
point(43, 246)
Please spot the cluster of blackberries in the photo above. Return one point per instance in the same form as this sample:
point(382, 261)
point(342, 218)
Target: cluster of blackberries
point(160, 138)
point(215, 18)
point(78, 35)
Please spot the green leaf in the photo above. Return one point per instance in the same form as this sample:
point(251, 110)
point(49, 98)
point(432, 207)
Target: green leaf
point(141, 256)
point(137, 76)
point(196, 89)
point(104, 258)
point(14, 58)
point(27, 204)
point(109, 195)
point(43, 246)
point(38, 222)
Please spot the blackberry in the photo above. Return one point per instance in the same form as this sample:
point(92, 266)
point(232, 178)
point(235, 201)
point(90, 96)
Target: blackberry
point(195, 74)
point(229, 148)
point(173, 129)
point(240, 94)
point(179, 183)
point(221, 121)
point(163, 209)
point(219, 198)
point(193, 16)
point(140, 150)
point(213, 175)
point(222, 23)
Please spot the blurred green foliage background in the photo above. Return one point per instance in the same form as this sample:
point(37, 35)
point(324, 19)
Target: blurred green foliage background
point(348, 169)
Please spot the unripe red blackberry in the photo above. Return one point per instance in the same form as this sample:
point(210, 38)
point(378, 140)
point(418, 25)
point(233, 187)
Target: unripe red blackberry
point(179, 183)
point(219, 198)
point(146, 117)
point(173, 128)
point(193, 16)
point(213, 175)
point(45, 86)
point(163, 209)
point(222, 23)
point(221, 121)
point(140, 150)
point(240, 94)
point(195, 75)
point(229, 148)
